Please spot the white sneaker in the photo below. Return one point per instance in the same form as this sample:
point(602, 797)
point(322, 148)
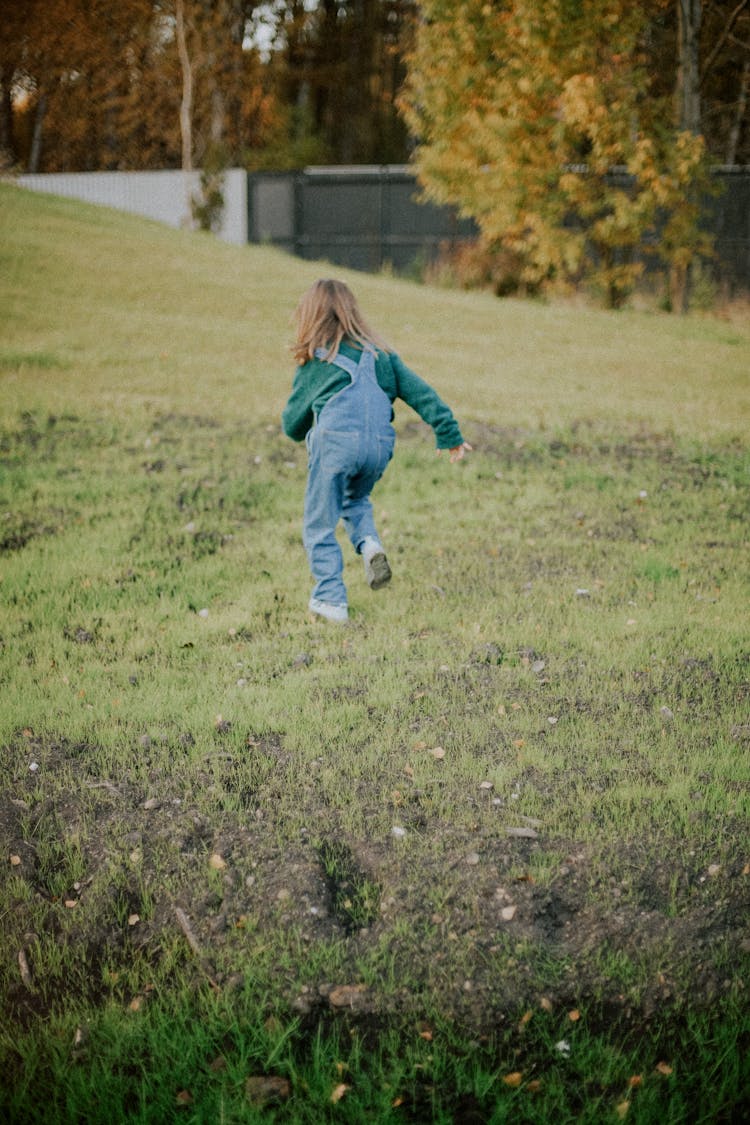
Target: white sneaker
point(337, 613)
point(377, 569)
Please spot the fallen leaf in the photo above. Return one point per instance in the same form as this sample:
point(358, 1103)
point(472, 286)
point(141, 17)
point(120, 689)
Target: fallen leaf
point(71, 903)
point(260, 1089)
point(574, 1016)
point(525, 1018)
point(15, 860)
point(513, 1080)
point(184, 1097)
point(508, 913)
point(217, 862)
point(663, 1068)
point(134, 919)
point(135, 1004)
point(622, 1110)
point(534, 1086)
point(426, 1034)
point(635, 1081)
point(438, 753)
point(339, 1091)
point(397, 1102)
point(546, 1004)
point(354, 996)
point(501, 709)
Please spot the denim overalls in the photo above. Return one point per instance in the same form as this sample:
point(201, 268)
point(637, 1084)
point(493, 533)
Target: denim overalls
point(348, 450)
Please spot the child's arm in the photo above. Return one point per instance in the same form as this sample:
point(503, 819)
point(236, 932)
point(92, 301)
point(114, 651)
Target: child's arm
point(298, 416)
point(421, 397)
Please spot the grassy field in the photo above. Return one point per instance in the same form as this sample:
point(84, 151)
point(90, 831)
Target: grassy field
point(480, 856)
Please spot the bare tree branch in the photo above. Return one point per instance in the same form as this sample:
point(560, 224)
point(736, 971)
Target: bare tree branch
point(719, 45)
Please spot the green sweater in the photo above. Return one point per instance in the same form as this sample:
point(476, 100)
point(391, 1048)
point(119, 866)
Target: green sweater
point(318, 380)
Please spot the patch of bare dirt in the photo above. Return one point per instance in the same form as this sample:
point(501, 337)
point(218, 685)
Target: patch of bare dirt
point(109, 871)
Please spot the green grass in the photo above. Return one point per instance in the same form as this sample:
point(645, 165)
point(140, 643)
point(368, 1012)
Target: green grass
point(550, 703)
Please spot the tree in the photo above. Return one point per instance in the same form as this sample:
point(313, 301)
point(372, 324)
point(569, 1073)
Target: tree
point(341, 68)
point(538, 122)
point(104, 84)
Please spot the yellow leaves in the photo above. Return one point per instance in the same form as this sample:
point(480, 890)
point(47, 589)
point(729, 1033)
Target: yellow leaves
point(514, 1079)
point(578, 100)
point(339, 1092)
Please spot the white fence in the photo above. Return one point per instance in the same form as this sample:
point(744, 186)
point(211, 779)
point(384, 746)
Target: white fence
point(164, 196)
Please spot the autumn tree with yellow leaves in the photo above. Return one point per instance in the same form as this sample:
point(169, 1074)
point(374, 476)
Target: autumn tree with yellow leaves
point(540, 122)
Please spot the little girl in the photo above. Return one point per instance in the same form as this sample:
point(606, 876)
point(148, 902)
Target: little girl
point(341, 406)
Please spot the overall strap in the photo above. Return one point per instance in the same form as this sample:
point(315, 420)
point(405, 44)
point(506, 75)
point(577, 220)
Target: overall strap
point(347, 364)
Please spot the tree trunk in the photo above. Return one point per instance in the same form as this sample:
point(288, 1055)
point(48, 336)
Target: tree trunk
point(7, 147)
point(35, 155)
point(739, 114)
point(186, 107)
point(688, 94)
point(688, 77)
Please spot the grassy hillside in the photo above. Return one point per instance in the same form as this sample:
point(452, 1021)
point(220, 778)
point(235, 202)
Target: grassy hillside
point(106, 309)
point(480, 856)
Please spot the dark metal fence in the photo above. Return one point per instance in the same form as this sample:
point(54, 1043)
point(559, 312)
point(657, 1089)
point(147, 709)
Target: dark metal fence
point(366, 218)
point(727, 217)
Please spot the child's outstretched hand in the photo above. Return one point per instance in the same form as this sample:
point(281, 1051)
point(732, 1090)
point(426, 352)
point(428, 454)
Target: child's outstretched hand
point(459, 451)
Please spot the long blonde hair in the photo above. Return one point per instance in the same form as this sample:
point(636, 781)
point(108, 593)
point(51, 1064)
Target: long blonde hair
point(327, 313)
